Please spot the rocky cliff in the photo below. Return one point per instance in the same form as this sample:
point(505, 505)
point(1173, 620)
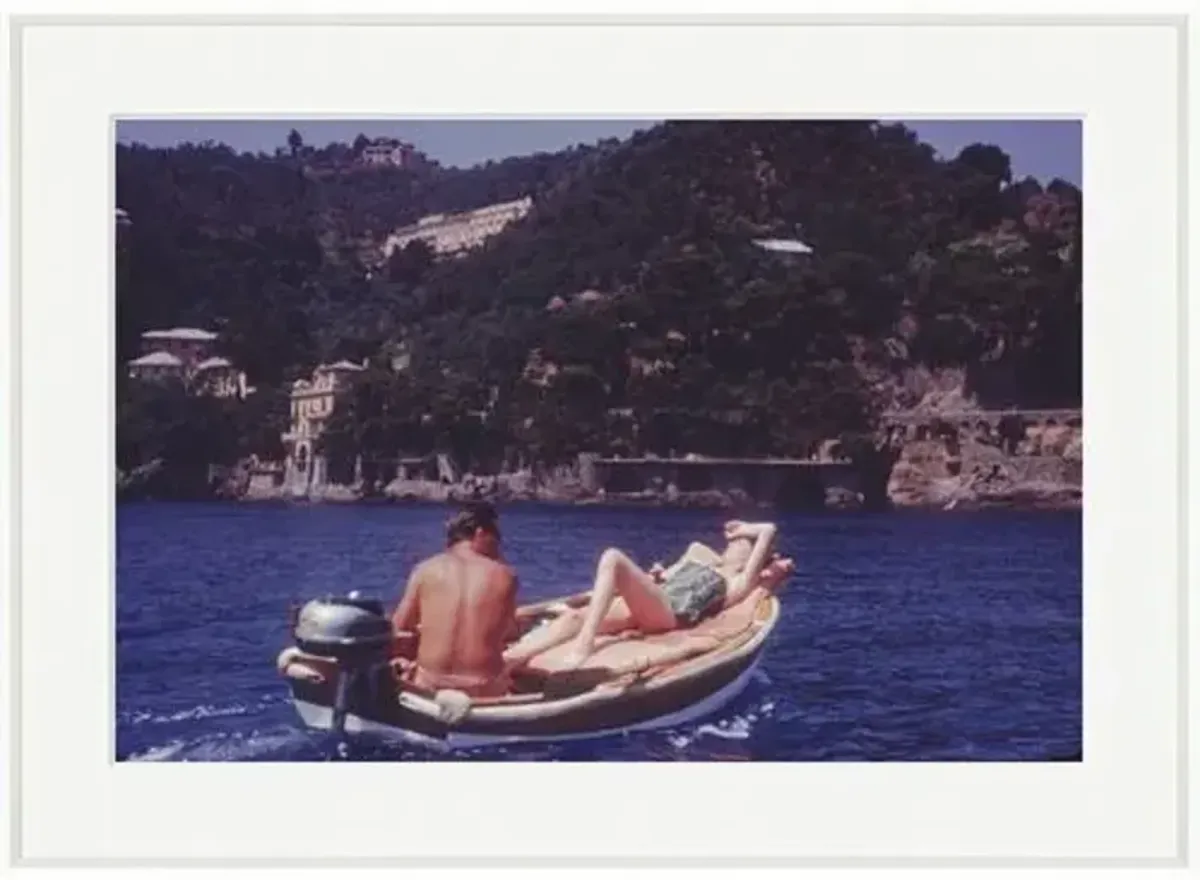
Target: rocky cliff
point(965, 475)
point(962, 458)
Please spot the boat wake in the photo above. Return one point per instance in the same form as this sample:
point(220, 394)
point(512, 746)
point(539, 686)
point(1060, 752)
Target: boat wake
point(278, 744)
point(266, 731)
point(257, 731)
point(195, 713)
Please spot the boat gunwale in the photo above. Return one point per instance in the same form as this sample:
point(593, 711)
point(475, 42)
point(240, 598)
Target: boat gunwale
point(499, 709)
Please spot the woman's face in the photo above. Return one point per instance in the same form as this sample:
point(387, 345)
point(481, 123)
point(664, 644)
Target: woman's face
point(737, 554)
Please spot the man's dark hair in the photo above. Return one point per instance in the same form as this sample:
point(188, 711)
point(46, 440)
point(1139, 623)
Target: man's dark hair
point(473, 516)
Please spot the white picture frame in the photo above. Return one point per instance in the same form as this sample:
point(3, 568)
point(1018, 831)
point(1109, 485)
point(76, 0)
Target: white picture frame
point(1124, 805)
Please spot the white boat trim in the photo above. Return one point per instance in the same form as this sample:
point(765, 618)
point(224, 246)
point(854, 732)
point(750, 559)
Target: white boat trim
point(321, 718)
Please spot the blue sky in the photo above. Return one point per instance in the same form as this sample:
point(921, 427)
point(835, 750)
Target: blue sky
point(1044, 149)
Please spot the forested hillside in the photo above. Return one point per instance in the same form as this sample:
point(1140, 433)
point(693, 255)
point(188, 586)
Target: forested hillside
point(630, 311)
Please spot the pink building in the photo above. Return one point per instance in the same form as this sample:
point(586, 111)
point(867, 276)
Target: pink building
point(157, 365)
point(220, 378)
point(389, 151)
point(185, 354)
point(188, 344)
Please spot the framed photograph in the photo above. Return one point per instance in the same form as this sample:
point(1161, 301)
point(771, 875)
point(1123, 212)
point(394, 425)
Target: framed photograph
point(634, 441)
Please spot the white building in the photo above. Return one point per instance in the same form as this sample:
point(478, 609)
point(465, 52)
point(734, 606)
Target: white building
point(313, 401)
point(156, 365)
point(452, 234)
point(218, 377)
point(185, 353)
point(190, 344)
point(783, 245)
point(388, 151)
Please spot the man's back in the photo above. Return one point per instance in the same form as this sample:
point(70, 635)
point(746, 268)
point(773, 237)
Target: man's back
point(466, 614)
point(464, 601)
point(464, 605)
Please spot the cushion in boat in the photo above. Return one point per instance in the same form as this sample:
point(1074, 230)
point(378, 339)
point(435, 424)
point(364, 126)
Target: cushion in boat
point(632, 651)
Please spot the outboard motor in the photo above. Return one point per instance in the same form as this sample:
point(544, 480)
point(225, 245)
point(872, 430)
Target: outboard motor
point(350, 629)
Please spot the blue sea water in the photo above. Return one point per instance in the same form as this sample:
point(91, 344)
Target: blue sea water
point(904, 636)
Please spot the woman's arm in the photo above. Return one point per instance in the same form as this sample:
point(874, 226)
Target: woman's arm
point(763, 535)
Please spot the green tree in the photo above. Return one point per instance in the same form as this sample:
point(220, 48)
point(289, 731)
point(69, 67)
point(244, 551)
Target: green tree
point(295, 142)
point(636, 275)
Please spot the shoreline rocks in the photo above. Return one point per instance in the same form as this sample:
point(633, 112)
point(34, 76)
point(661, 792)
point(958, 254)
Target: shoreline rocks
point(932, 474)
point(909, 489)
point(957, 471)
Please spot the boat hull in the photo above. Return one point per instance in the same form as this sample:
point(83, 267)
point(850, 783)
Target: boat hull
point(683, 676)
point(319, 716)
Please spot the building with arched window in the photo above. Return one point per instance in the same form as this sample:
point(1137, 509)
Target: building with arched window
point(312, 403)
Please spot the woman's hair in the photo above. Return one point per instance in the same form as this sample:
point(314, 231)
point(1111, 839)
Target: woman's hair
point(474, 516)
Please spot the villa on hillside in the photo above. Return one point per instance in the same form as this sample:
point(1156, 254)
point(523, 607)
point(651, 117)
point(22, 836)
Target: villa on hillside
point(156, 366)
point(455, 234)
point(220, 378)
point(186, 354)
point(189, 344)
point(312, 403)
point(783, 246)
point(388, 151)
point(375, 155)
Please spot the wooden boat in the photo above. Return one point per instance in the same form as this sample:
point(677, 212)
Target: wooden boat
point(359, 684)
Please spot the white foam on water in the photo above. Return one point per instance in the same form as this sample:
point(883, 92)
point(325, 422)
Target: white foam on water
point(167, 752)
point(767, 706)
point(229, 747)
point(197, 713)
point(244, 748)
point(736, 728)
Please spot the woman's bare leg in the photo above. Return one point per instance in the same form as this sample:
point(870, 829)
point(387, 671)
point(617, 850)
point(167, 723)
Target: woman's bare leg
point(565, 627)
point(543, 639)
point(617, 574)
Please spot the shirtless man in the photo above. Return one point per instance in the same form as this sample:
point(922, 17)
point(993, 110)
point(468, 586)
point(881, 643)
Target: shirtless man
point(464, 602)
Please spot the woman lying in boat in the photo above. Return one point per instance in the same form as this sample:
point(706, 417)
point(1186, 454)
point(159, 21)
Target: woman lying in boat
point(701, 583)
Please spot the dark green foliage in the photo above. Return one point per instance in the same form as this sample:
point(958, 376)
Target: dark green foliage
point(182, 434)
point(692, 339)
